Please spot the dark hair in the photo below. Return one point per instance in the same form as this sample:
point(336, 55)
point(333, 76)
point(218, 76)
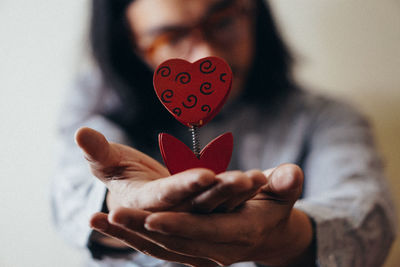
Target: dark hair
point(125, 72)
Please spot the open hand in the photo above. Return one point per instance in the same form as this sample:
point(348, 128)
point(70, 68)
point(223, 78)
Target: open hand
point(266, 229)
point(135, 180)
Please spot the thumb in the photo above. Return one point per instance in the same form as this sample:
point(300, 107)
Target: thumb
point(97, 150)
point(285, 183)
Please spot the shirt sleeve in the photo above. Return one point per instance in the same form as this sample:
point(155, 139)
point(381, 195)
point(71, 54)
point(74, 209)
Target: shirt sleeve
point(75, 193)
point(345, 191)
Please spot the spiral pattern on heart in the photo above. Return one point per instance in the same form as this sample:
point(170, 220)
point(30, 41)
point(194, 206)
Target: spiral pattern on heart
point(183, 77)
point(166, 95)
point(177, 111)
point(165, 71)
point(207, 67)
point(192, 102)
point(221, 77)
point(205, 88)
point(206, 108)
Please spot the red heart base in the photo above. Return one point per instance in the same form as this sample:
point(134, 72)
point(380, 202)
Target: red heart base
point(178, 157)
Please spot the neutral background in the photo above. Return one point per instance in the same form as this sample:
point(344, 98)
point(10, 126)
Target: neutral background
point(348, 49)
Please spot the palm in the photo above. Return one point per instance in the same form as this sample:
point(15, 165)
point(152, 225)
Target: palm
point(134, 178)
point(260, 230)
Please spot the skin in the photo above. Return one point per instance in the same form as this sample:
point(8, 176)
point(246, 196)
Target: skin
point(148, 18)
point(150, 212)
point(197, 217)
point(135, 180)
point(266, 229)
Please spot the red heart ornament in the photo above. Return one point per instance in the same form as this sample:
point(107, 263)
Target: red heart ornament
point(193, 92)
point(178, 157)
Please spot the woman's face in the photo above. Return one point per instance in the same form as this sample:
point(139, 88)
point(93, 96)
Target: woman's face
point(194, 29)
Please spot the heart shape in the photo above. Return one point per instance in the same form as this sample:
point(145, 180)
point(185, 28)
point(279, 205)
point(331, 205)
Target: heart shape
point(193, 92)
point(178, 157)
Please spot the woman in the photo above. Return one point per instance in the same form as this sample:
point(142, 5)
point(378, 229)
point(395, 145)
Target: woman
point(344, 197)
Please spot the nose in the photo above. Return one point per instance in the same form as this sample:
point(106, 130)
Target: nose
point(201, 48)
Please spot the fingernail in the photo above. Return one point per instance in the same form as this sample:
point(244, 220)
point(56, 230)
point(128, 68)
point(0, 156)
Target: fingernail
point(148, 227)
point(151, 226)
point(101, 225)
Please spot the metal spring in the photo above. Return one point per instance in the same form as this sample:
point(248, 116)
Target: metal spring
point(195, 140)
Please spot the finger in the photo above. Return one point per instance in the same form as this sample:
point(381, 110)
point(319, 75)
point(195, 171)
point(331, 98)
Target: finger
point(258, 179)
point(229, 185)
point(213, 228)
point(98, 151)
point(170, 193)
point(134, 220)
point(103, 155)
point(176, 189)
point(112, 161)
point(101, 224)
point(285, 183)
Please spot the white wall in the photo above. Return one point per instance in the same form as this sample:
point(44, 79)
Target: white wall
point(349, 49)
point(39, 45)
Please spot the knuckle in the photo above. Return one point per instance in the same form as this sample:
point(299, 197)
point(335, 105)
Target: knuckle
point(165, 198)
point(257, 177)
point(238, 181)
point(204, 175)
point(163, 195)
point(199, 178)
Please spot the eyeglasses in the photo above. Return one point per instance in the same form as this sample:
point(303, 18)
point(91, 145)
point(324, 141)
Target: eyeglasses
point(221, 28)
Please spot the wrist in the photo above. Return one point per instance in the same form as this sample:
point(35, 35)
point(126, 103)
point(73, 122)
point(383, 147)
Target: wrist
point(304, 253)
point(291, 244)
point(309, 256)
